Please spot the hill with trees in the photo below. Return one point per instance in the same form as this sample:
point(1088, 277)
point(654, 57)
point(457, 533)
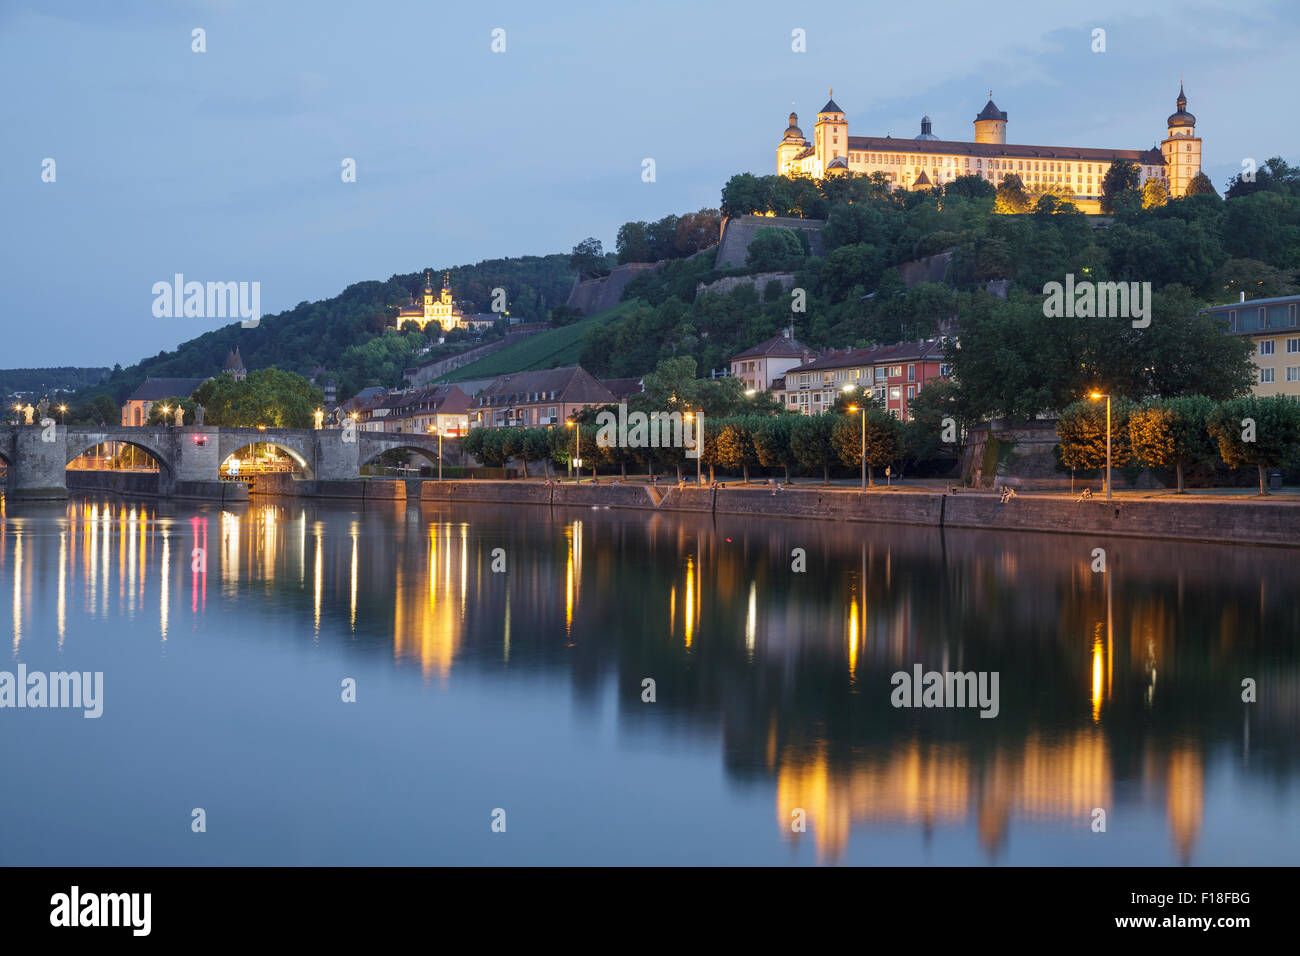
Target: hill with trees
point(351, 334)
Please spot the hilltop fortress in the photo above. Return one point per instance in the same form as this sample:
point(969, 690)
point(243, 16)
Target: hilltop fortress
point(926, 160)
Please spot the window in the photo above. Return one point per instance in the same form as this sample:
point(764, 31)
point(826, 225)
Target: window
point(895, 393)
point(911, 392)
point(1266, 347)
point(911, 373)
point(1293, 373)
point(945, 370)
point(1292, 346)
point(1265, 376)
point(895, 371)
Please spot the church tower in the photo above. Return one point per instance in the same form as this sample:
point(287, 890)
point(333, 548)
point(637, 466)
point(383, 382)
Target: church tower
point(428, 297)
point(1181, 148)
point(991, 124)
point(830, 137)
point(792, 144)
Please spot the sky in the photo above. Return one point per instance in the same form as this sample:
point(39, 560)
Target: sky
point(226, 165)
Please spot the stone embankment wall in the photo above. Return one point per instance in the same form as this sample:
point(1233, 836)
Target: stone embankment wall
point(1230, 520)
point(1246, 521)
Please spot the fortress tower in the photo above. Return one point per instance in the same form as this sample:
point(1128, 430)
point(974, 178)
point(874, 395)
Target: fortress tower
point(1181, 148)
point(991, 124)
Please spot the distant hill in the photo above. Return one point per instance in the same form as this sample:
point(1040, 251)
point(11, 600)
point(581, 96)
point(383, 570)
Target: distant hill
point(65, 378)
point(346, 334)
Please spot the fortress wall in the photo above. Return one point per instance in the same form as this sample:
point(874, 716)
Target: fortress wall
point(739, 231)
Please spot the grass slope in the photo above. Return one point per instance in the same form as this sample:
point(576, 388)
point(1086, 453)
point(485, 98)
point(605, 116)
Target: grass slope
point(550, 349)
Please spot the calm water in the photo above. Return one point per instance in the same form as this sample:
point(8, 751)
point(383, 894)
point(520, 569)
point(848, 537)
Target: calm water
point(523, 691)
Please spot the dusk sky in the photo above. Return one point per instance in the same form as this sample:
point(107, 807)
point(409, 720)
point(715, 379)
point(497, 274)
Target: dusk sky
point(225, 165)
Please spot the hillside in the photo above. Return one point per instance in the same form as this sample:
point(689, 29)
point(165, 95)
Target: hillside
point(44, 380)
point(550, 349)
point(346, 334)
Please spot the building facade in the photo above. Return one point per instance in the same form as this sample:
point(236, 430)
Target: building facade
point(439, 308)
point(136, 409)
point(1271, 324)
point(765, 363)
point(927, 160)
point(893, 374)
point(527, 399)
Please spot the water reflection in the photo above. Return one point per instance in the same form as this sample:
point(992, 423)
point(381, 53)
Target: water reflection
point(1120, 691)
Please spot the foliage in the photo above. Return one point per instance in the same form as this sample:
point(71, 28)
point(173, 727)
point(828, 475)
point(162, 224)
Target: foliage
point(1264, 432)
point(270, 397)
point(772, 250)
point(1082, 433)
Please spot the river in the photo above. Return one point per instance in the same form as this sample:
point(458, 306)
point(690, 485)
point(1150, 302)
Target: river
point(596, 686)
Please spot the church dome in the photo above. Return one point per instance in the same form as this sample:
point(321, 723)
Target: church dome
point(925, 129)
point(793, 131)
point(1182, 117)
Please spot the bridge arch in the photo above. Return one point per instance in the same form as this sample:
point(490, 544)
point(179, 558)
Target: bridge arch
point(302, 461)
point(77, 445)
point(372, 454)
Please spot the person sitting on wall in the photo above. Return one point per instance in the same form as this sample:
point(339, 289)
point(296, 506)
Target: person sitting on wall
point(1087, 493)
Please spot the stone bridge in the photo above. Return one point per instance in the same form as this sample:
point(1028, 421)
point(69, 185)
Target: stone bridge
point(36, 457)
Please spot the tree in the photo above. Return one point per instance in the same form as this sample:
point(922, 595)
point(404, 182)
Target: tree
point(1011, 195)
point(734, 446)
point(1264, 432)
point(1154, 193)
point(746, 194)
point(1171, 433)
point(268, 396)
point(588, 259)
point(1201, 186)
point(99, 409)
point(812, 439)
point(970, 186)
point(696, 231)
point(633, 243)
point(1082, 433)
point(537, 447)
point(772, 442)
point(883, 439)
point(774, 249)
point(1119, 187)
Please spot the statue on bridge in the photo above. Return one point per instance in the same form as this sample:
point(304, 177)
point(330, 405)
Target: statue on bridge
point(28, 412)
point(43, 410)
point(179, 415)
point(320, 418)
point(199, 412)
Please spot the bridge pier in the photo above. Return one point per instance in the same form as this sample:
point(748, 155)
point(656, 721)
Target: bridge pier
point(37, 459)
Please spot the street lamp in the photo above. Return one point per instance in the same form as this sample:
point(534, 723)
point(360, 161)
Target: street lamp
point(1095, 396)
point(166, 410)
point(435, 428)
point(62, 410)
point(863, 411)
point(699, 442)
point(570, 423)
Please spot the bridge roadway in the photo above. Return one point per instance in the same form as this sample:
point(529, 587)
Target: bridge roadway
point(37, 456)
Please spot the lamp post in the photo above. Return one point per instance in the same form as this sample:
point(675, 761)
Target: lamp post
point(435, 428)
point(698, 418)
point(62, 411)
point(1095, 396)
point(570, 423)
point(863, 413)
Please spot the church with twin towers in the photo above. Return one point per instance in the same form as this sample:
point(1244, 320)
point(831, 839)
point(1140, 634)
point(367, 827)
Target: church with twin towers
point(927, 160)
